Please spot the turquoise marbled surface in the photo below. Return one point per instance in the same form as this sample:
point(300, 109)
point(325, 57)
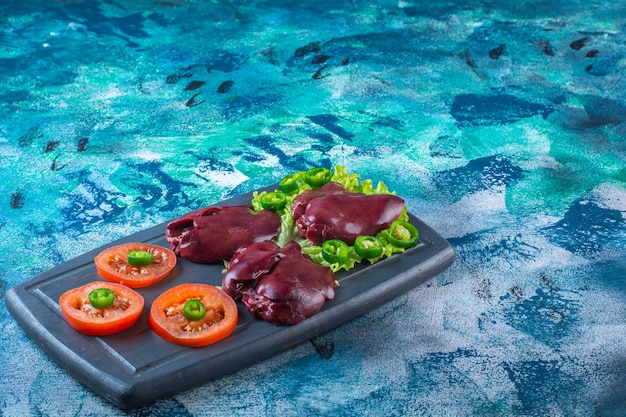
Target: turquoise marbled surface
point(502, 123)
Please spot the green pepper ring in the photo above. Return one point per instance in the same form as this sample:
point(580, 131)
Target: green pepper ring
point(291, 183)
point(368, 247)
point(194, 310)
point(101, 298)
point(402, 234)
point(335, 251)
point(139, 258)
point(316, 177)
point(273, 201)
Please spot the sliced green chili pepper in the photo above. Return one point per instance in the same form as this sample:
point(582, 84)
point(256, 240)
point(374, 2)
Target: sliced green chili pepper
point(316, 177)
point(402, 234)
point(291, 183)
point(139, 257)
point(194, 310)
point(101, 297)
point(368, 247)
point(335, 251)
point(273, 201)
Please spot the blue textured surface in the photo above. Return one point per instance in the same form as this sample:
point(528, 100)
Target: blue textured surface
point(502, 123)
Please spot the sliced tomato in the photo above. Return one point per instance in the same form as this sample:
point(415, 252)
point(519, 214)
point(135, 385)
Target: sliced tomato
point(168, 320)
point(112, 264)
point(92, 321)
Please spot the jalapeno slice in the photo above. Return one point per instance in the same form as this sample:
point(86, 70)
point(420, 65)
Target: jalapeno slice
point(273, 201)
point(402, 234)
point(335, 251)
point(139, 258)
point(101, 298)
point(291, 183)
point(316, 177)
point(368, 247)
point(194, 310)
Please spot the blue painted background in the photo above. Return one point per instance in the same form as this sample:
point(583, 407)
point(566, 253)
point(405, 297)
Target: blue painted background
point(502, 123)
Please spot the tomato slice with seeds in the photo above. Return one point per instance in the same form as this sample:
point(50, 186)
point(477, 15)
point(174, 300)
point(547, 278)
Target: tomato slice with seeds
point(113, 264)
point(168, 319)
point(123, 312)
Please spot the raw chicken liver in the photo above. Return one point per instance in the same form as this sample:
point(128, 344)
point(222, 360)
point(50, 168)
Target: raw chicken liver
point(279, 285)
point(213, 234)
point(335, 213)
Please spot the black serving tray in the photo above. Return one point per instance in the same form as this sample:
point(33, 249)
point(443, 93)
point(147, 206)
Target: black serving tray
point(136, 367)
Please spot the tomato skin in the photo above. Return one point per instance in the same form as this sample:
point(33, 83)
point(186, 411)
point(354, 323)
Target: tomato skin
point(167, 321)
point(76, 309)
point(112, 264)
